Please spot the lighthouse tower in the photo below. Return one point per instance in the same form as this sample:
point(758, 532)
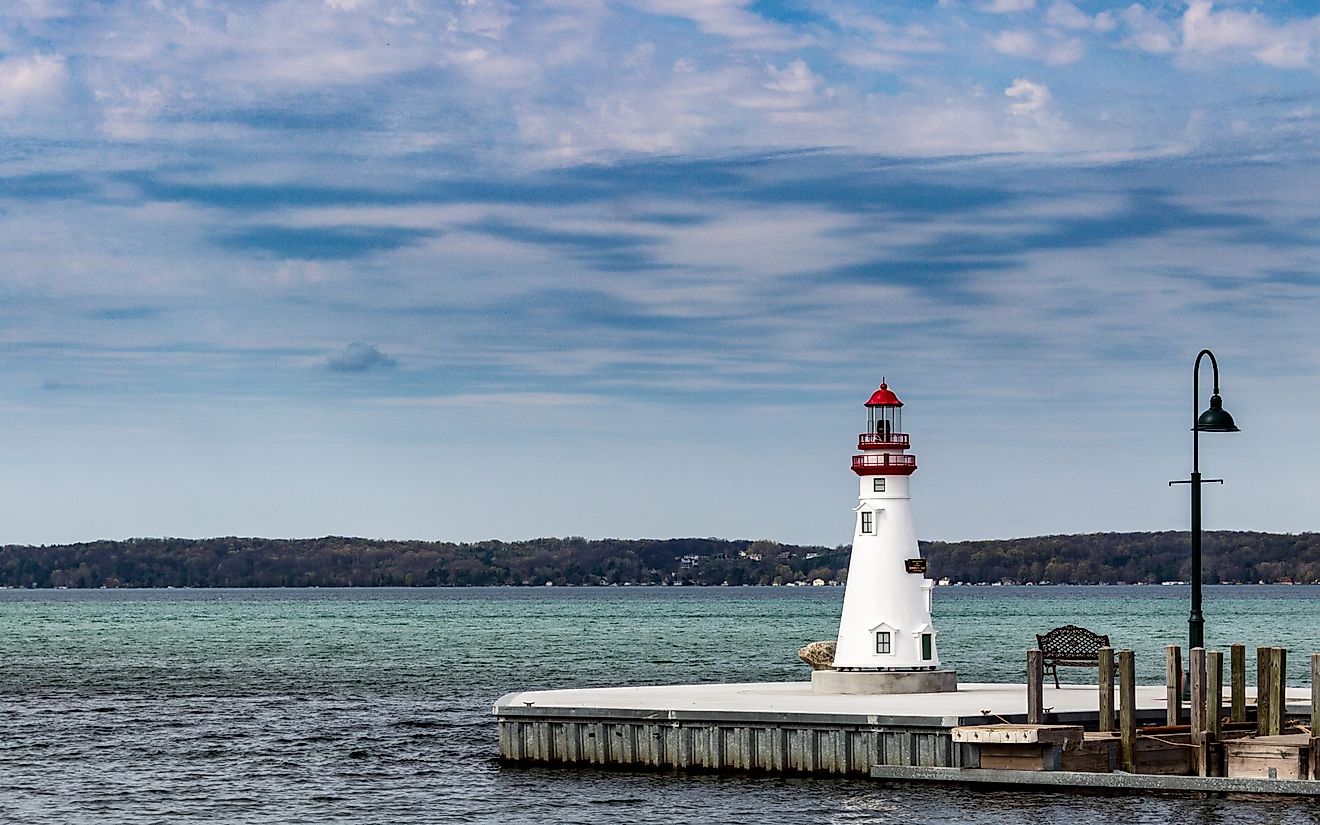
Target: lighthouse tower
point(886, 643)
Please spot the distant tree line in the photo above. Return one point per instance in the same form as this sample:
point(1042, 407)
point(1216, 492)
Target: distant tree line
point(1114, 558)
point(356, 562)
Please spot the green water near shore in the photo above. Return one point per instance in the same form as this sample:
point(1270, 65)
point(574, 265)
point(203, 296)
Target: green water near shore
point(633, 635)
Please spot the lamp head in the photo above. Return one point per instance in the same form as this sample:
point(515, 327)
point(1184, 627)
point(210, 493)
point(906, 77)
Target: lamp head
point(1216, 419)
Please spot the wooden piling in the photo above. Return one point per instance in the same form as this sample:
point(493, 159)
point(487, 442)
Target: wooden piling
point(1214, 697)
point(1035, 687)
point(1263, 690)
point(1127, 711)
point(1106, 721)
point(1173, 684)
point(1238, 682)
point(1315, 695)
point(1279, 689)
point(1196, 707)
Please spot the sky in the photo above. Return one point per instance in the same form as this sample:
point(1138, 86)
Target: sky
point(471, 270)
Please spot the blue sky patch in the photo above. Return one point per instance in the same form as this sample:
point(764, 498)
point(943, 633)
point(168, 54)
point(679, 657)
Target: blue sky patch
point(324, 243)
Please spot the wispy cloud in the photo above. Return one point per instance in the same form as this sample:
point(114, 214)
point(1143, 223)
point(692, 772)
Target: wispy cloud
point(1054, 49)
point(730, 20)
point(618, 251)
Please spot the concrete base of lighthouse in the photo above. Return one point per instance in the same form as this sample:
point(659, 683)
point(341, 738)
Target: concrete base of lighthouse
point(883, 681)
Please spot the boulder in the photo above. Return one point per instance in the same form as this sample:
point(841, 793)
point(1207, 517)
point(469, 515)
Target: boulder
point(820, 655)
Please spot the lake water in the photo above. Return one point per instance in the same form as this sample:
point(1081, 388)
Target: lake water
point(373, 706)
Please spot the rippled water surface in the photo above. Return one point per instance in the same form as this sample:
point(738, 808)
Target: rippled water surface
point(372, 706)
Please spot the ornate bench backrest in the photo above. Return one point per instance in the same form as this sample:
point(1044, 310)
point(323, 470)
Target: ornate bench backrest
point(1071, 643)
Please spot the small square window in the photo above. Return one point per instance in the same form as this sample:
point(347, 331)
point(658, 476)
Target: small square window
point(878, 485)
point(927, 647)
point(882, 642)
point(868, 525)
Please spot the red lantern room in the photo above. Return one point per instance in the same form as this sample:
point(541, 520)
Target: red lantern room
point(884, 442)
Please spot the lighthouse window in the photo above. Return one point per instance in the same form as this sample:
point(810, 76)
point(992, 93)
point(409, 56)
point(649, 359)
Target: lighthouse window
point(882, 642)
point(879, 485)
point(868, 526)
point(927, 647)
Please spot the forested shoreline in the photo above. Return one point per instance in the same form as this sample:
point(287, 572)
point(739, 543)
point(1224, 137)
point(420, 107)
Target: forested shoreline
point(1095, 558)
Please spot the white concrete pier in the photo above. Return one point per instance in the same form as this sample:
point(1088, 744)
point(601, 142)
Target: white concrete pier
point(775, 727)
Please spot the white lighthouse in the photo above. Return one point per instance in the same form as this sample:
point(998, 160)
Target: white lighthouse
point(887, 643)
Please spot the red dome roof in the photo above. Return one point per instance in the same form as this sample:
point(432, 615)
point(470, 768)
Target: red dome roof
point(884, 397)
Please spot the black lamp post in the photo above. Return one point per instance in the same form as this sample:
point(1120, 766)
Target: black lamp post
point(1214, 420)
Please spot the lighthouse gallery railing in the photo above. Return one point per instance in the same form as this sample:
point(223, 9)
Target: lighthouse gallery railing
point(884, 461)
point(878, 441)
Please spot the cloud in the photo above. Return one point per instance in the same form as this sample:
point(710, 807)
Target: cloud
point(1007, 6)
point(1030, 97)
point(34, 81)
point(359, 357)
point(38, 9)
point(1052, 49)
point(729, 19)
point(523, 83)
point(1147, 31)
point(1066, 15)
point(868, 41)
point(794, 79)
point(1230, 33)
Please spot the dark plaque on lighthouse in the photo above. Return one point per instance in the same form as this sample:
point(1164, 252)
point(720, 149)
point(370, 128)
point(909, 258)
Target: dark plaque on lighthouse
point(915, 565)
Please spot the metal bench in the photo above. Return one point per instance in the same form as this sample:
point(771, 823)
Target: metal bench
point(1070, 646)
